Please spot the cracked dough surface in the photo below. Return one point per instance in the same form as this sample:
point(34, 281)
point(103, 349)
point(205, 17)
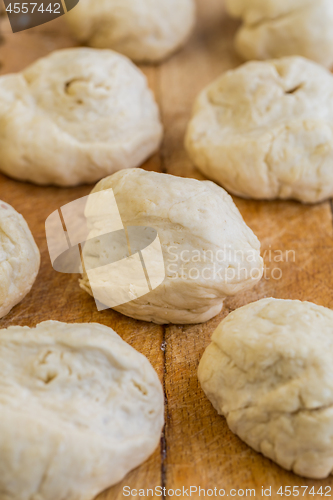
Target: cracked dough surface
point(265, 130)
point(19, 258)
point(75, 116)
point(269, 371)
point(209, 252)
point(278, 28)
point(143, 30)
point(84, 404)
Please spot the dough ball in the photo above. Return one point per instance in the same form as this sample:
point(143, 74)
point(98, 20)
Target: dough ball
point(76, 116)
point(208, 251)
point(19, 258)
point(143, 30)
point(265, 130)
point(278, 28)
point(269, 371)
point(80, 408)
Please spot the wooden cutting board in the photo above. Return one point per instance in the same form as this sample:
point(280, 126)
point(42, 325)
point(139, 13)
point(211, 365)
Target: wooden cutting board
point(197, 448)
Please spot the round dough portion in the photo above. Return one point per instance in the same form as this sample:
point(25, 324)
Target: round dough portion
point(93, 410)
point(143, 30)
point(76, 116)
point(19, 258)
point(265, 130)
point(269, 371)
point(279, 28)
point(209, 252)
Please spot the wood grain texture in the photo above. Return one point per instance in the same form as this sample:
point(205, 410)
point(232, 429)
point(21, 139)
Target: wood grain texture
point(198, 449)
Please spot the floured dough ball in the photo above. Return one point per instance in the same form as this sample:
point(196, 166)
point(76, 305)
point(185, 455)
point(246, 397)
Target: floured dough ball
point(80, 408)
point(269, 371)
point(74, 117)
point(206, 250)
point(143, 30)
point(278, 28)
point(265, 130)
point(19, 258)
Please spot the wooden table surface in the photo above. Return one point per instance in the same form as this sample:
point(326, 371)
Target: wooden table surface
point(197, 448)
